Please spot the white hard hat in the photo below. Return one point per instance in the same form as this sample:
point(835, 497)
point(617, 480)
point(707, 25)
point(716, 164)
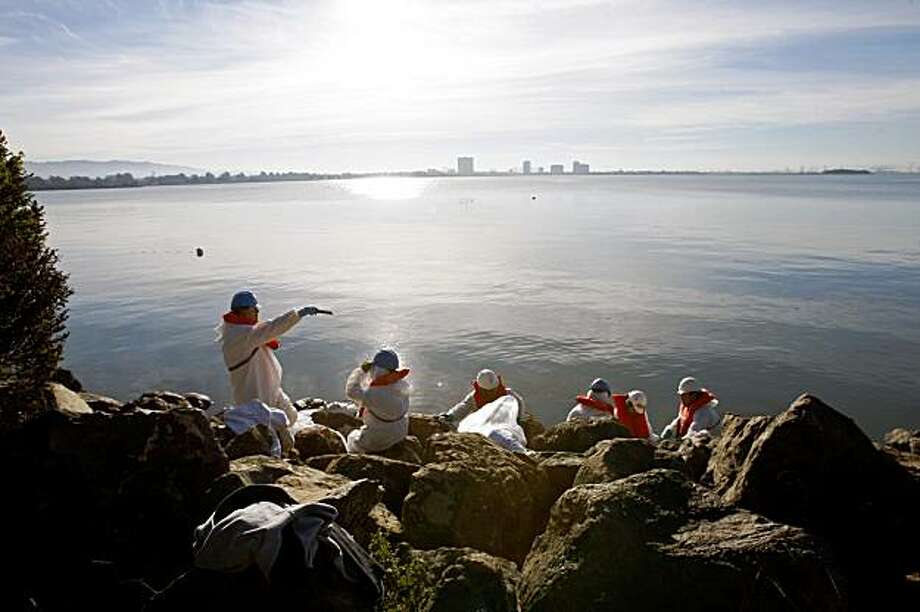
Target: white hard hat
point(638, 398)
point(688, 385)
point(487, 379)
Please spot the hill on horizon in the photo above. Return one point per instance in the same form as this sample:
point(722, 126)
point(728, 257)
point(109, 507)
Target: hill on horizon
point(92, 168)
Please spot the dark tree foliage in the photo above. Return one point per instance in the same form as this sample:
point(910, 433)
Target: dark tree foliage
point(33, 292)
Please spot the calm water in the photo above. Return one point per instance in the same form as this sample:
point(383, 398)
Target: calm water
point(762, 287)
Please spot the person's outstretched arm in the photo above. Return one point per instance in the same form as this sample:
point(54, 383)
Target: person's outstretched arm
point(462, 409)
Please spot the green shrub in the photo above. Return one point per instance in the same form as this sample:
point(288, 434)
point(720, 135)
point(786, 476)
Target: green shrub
point(407, 588)
point(33, 292)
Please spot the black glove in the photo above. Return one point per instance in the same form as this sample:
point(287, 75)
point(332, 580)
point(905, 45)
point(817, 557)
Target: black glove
point(309, 311)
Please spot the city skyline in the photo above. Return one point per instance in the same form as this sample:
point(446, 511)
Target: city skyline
point(352, 86)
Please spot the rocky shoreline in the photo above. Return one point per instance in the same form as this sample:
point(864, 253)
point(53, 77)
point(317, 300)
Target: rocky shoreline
point(797, 511)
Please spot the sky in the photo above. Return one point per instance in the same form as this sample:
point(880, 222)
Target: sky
point(380, 85)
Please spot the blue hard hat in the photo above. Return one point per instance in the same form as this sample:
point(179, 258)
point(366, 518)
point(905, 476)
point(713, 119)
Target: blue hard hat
point(243, 299)
point(600, 385)
point(387, 358)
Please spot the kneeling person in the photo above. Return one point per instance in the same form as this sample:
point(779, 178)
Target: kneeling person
point(596, 403)
point(696, 412)
point(382, 395)
point(487, 387)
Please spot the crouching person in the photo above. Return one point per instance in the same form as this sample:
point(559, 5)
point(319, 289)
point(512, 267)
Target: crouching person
point(631, 412)
point(487, 387)
point(597, 403)
point(379, 389)
point(696, 412)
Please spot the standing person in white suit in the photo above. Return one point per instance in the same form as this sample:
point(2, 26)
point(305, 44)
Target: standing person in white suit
point(382, 394)
point(248, 346)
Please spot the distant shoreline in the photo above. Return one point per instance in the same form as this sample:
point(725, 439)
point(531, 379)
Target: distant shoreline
point(127, 181)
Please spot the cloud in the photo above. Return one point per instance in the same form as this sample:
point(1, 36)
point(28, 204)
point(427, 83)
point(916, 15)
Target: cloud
point(204, 78)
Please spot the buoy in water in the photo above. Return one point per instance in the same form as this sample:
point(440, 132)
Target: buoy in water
point(199, 251)
point(533, 197)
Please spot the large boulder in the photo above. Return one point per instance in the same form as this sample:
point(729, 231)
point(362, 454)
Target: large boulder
point(579, 436)
point(560, 469)
point(159, 400)
point(474, 493)
point(317, 440)
point(737, 436)
point(409, 450)
point(342, 422)
point(656, 541)
point(615, 459)
point(464, 579)
point(101, 403)
point(813, 467)
point(124, 488)
point(393, 475)
point(256, 440)
point(423, 426)
point(64, 400)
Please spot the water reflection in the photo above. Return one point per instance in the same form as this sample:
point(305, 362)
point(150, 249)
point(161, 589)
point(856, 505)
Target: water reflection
point(762, 290)
point(386, 188)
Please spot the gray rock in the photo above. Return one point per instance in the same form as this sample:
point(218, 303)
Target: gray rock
point(464, 579)
point(353, 499)
point(578, 436)
point(199, 400)
point(393, 475)
point(655, 541)
point(126, 488)
point(737, 435)
point(423, 426)
point(813, 467)
point(903, 440)
point(474, 493)
point(159, 400)
point(560, 469)
point(340, 421)
point(408, 450)
point(254, 441)
point(101, 403)
point(616, 459)
point(63, 400)
point(317, 440)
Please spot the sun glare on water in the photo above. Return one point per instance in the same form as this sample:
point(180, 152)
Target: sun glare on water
point(386, 188)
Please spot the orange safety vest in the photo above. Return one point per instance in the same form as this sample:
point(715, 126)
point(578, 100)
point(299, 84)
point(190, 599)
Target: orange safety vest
point(389, 379)
point(597, 404)
point(686, 413)
point(484, 396)
point(635, 422)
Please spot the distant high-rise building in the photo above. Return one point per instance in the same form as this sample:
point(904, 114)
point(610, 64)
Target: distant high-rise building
point(580, 168)
point(557, 169)
point(526, 167)
point(465, 166)
point(540, 170)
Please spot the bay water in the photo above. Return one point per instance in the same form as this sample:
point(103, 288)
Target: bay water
point(760, 286)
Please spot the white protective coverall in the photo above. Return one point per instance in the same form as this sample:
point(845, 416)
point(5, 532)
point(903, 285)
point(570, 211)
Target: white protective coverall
point(384, 410)
point(467, 406)
point(260, 378)
point(498, 421)
point(705, 419)
point(584, 413)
